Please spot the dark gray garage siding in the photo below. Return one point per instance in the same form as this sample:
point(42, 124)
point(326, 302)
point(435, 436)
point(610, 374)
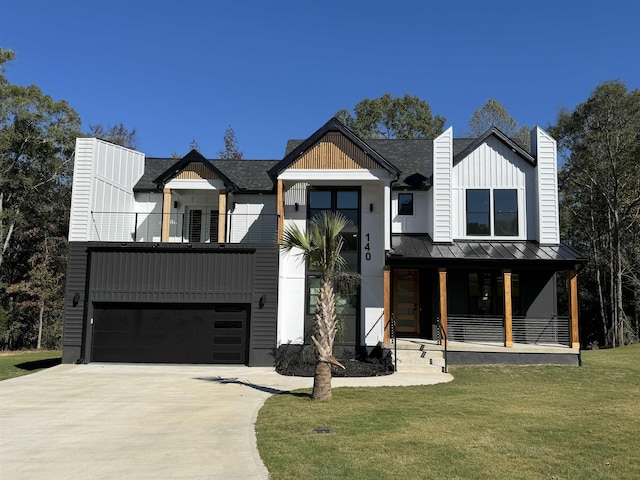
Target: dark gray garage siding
point(173, 274)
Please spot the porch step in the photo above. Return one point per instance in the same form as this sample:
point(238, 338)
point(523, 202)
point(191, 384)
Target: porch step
point(416, 360)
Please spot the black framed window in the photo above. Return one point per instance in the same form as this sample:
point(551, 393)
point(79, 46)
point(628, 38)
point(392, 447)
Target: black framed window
point(346, 295)
point(502, 221)
point(505, 213)
point(486, 293)
point(405, 204)
point(478, 212)
point(346, 201)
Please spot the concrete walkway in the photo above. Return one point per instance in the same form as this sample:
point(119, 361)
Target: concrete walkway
point(112, 421)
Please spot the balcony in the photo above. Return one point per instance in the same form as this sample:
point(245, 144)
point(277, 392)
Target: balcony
point(196, 226)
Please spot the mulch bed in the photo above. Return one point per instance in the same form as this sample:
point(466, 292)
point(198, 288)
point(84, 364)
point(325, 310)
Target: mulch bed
point(298, 360)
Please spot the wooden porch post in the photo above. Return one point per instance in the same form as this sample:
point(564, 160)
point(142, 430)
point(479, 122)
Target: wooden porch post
point(442, 274)
point(222, 216)
point(166, 214)
point(280, 200)
point(508, 318)
point(386, 272)
point(574, 337)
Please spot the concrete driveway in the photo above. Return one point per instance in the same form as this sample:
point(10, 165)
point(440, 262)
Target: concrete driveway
point(108, 421)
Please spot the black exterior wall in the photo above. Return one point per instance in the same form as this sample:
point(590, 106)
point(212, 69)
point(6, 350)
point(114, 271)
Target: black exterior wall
point(190, 274)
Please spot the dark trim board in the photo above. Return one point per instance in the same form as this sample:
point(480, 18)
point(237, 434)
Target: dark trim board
point(178, 276)
point(512, 358)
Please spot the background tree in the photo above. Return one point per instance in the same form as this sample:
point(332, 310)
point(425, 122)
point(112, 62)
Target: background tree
point(320, 246)
point(231, 151)
point(600, 204)
point(37, 139)
point(493, 114)
point(117, 134)
point(392, 117)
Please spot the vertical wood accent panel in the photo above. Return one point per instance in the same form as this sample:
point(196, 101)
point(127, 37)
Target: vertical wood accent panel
point(335, 152)
point(222, 215)
point(166, 213)
point(508, 315)
point(442, 274)
point(280, 200)
point(386, 272)
point(574, 337)
point(195, 171)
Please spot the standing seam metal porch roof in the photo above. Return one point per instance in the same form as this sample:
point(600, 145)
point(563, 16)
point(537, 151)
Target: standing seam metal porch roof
point(421, 247)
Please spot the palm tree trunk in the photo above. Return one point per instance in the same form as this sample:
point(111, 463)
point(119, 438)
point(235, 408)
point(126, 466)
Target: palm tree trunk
point(324, 331)
point(321, 381)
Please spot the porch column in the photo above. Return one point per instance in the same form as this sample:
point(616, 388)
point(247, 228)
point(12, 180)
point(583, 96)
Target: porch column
point(574, 337)
point(508, 318)
point(280, 200)
point(442, 274)
point(222, 215)
point(386, 273)
point(166, 214)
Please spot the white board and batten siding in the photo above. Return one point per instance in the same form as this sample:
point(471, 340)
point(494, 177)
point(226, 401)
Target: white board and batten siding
point(545, 149)
point(102, 198)
point(421, 218)
point(442, 173)
point(252, 219)
point(493, 165)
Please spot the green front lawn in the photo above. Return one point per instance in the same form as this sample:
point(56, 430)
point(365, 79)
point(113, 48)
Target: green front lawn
point(15, 364)
point(490, 422)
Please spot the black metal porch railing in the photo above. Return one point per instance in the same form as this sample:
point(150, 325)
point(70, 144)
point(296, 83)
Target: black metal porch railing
point(442, 340)
point(526, 330)
point(191, 227)
point(392, 334)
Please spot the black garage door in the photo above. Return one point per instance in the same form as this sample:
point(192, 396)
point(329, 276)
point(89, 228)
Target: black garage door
point(157, 333)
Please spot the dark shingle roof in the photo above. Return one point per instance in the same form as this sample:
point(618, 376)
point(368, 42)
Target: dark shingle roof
point(410, 156)
point(248, 175)
point(413, 247)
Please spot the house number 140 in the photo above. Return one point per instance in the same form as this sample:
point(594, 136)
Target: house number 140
point(367, 247)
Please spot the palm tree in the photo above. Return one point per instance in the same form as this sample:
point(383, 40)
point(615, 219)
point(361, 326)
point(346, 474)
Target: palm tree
point(320, 247)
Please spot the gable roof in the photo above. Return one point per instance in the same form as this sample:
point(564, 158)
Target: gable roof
point(245, 175)
point(494, 132)
point(191, 157)
point(333, 125)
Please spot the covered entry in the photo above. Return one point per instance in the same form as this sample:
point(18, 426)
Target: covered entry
point(155, 333)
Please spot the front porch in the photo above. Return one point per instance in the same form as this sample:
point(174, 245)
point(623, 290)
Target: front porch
point(479, 353)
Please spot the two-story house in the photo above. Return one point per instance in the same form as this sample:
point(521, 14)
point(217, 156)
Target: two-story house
point(456, 240)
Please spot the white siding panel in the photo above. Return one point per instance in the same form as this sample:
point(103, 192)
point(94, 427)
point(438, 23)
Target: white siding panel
point(81, 192)
point(291, 299)
point(149, 220)
point(253, 219)
point(103, 180)
point(492, 165)
point(545, 150)
point(416, 223)
point(442, 166)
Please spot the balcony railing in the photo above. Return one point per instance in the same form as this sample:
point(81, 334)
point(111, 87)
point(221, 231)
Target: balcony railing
point(195, 226)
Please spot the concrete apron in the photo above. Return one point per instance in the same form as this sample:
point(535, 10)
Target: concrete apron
point(106, 421)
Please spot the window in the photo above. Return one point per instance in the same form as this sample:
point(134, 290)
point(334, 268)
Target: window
point(346, 202)
point(478, 222)
point(501, 221)
point(505, 212)
point(486, 293)
point(346, 295)
point(405, 204)
point(195, 225)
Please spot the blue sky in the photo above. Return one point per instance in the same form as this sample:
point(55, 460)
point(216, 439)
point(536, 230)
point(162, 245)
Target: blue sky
point(273, 70)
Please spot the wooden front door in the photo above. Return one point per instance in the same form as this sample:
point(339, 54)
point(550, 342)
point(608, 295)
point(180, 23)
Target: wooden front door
point(405, 300)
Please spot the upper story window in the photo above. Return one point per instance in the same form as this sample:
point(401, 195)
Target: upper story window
point(346, 201)
point(405, 204)
point(499, 221)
